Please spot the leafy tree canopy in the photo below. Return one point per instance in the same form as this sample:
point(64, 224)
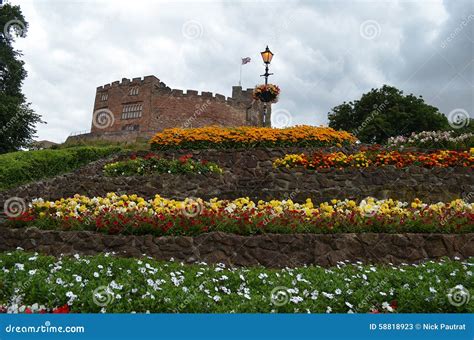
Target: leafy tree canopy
point(17, 119)
point(386, 112)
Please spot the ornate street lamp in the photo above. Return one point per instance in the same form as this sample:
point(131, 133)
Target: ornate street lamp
point(267, 57)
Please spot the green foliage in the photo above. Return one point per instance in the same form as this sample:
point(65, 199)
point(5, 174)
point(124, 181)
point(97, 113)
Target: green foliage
point(21, 167)
point(152, 163)
point(138, 285)
point(126, 146)
point(386, 112)
point(179, 224)
point(17, 119)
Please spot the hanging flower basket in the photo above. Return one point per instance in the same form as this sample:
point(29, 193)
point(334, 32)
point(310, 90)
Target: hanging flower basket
point(266, 93)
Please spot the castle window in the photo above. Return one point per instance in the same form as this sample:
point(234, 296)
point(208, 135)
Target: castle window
point(134, 91)
point(131, 111)
point(104, 96)
point(131, 127)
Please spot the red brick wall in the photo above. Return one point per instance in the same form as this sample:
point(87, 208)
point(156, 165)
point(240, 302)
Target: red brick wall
point(166, 108)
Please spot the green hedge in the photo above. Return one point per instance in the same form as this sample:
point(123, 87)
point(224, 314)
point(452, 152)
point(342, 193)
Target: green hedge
point(21, 167)
point(123, 285)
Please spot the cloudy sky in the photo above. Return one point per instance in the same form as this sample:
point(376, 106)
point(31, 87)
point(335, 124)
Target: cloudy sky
point(326, 52)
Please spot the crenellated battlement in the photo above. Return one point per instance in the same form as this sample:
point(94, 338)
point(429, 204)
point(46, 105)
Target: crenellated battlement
point(134, 81)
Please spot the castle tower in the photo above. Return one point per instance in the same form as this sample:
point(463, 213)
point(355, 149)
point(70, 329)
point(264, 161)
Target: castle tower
point(140, 107)
point(254, 109)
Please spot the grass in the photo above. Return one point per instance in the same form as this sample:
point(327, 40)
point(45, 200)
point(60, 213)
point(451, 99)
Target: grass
point(105, 283)
point(22, 167)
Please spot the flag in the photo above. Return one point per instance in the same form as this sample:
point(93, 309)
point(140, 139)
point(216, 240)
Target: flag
point(246, 60)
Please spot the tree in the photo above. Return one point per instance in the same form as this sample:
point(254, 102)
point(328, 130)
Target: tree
point(386, 112)
point(17, 119)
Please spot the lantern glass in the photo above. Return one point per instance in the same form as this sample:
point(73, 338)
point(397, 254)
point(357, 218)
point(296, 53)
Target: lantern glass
point(267, 56)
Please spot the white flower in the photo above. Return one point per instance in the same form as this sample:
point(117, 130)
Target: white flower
point(329, 309)
point(328, 295)
point(296, 299)
point(216, 298)
point(386, 305)
point(32, 271)
point(338, 291)
point(349, 305)
point(432, 290)
point(96, 274)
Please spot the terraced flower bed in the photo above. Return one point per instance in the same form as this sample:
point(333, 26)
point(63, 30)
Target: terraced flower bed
point(36, 283)
point(378, 158)
point(212, 137)
point(130, 214)
point(434, 139)
point(152, 163)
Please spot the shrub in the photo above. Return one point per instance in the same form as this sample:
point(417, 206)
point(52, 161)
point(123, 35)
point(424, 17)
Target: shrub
point(25, 166)
point(247, 137)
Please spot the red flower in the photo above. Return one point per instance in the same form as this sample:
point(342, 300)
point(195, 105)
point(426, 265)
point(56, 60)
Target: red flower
point(28, 311)
point(133, 157)
point(61, 310)
point(184, 158)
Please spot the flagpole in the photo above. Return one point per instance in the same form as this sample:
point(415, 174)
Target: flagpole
point(240, 78)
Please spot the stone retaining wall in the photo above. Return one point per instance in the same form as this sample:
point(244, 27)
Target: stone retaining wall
point(250, 173)
point(270, 250)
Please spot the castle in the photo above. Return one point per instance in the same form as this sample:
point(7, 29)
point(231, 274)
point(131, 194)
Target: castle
point(138, 108)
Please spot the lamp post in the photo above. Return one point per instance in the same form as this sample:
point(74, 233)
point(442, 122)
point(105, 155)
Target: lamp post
point(267, 57)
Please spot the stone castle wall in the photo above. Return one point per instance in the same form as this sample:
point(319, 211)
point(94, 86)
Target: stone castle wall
point(159, 107)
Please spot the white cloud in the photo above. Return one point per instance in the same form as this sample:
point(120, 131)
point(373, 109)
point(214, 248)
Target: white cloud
point(320, 60)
